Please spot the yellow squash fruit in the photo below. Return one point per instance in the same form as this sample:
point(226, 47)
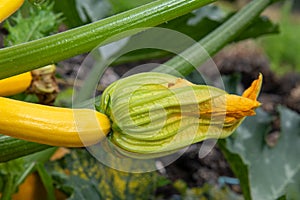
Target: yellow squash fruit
point(52, 125)
point(8, 7)
point(15, 84)
point(154, 114)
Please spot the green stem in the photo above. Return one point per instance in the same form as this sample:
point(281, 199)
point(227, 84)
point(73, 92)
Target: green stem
point(12, 148)
point(9, 187)
point(197, 54)
point(47, 181)
point(31, 55)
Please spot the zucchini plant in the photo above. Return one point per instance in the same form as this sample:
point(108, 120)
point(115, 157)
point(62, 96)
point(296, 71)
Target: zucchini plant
point(50, 126)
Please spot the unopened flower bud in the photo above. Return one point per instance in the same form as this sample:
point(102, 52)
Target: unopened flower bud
point(155, 114)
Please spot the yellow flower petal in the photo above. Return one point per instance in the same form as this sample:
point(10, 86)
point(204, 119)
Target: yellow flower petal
point(229, 107)
point(253, 91)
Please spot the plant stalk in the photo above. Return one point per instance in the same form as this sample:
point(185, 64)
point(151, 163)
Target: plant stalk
point(8, 188)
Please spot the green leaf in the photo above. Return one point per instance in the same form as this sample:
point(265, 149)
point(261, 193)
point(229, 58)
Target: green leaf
point(207, 191)
point(162, 181)
point(194, 56)
point(14, 172)
point(82, 12)
point(74, 186)
point(197, 25)
point(89, 179)
point(70, 14)
point(39, 23)
point(80, 189)
point(282, 198)
point(293, 189)
point(93, 10)
point(40, 157)
point(37, 2)
point(238, 167)
point(122, 5)
point(231, 82)
point(47, 181)
point(260, 26)
point(64, 98)
point(271, 169)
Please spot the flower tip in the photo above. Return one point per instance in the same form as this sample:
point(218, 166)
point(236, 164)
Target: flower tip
point(253, 91)
point(258, 104)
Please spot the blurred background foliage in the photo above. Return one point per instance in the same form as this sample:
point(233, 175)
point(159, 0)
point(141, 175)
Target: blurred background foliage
point(282, 49)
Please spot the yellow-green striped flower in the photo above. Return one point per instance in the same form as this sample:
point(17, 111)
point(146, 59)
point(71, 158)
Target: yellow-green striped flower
point(154, 114)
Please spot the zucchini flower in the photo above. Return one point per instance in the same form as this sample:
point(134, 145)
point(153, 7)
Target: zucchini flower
point(154, 114)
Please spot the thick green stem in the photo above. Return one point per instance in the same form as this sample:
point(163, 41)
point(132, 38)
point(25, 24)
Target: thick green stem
point(196, 55)
point(31, 55)
point(12, 148)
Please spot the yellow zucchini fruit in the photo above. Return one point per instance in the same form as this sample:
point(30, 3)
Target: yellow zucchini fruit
point(8, 7)
point(15, 84)
point(52, 125)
